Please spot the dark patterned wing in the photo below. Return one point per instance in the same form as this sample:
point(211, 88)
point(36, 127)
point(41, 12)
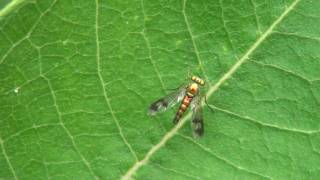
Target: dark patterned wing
point(168, 101)
point(197, 119)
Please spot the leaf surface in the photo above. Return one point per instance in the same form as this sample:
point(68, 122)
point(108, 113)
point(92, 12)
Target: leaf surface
point(76, 79)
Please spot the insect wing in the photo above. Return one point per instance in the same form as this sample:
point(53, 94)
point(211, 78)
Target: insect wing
point(197, 118)
point(167, 101)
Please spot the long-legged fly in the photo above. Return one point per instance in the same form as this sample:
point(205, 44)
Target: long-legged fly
point(188, 95)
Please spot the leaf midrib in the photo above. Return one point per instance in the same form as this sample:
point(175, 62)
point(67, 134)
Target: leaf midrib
point(214, 88)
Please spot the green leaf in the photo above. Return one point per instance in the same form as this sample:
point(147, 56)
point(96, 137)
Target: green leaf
point(77, 77)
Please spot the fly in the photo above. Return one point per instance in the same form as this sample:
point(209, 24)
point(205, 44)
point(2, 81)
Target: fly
point(188, 95)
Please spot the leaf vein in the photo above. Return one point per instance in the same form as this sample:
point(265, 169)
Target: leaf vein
point(221, 158)
point(103, 84)
point(28, 33)
point(225, 28)
point(283, 70)
point(256, 16)
point(149, 47)
point(171, 133)
point(8, 159)
point(175, 171)
point(297, 35)
point(192, 37)
point(247, 118)
point(84, 160)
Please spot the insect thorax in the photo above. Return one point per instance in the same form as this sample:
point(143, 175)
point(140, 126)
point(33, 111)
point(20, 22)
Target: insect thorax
point(193, 89)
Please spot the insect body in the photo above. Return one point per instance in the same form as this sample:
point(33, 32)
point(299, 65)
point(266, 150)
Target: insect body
point(189, 95)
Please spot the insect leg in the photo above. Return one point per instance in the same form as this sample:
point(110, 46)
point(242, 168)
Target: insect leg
point(205, 100)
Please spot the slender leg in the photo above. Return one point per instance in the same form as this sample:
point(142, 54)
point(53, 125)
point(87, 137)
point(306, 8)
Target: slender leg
point(205, 100)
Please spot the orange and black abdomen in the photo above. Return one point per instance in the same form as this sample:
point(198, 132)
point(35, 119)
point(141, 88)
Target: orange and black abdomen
point(183, 107)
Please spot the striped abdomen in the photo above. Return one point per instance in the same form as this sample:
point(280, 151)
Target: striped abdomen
point(183, 107)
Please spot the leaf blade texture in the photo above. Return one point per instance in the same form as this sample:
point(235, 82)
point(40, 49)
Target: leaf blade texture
point(76, 80)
